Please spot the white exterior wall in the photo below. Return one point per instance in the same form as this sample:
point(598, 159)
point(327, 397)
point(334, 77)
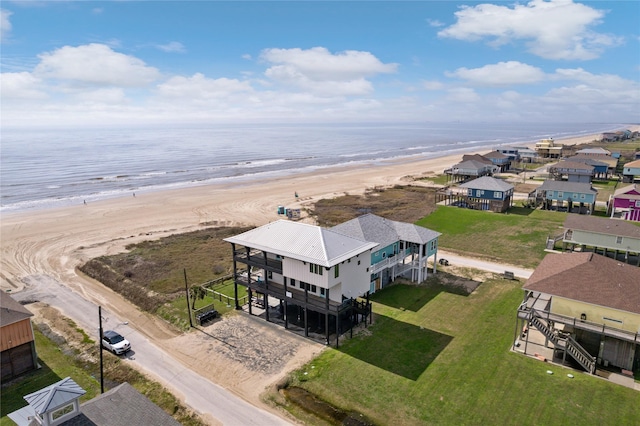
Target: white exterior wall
point(299, 271)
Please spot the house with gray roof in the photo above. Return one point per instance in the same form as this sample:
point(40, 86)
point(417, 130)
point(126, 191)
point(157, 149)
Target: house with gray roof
point(59, 404)
point(470, 169)
point(304, 275)
point(631, 171)
point(575, 197)
point(572, 171)
point(17, 342)
point(588, 308)
point(488, 193)
point(403, 248)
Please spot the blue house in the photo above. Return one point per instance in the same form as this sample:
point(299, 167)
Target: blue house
point(403, 248)
point(600, 168)
point(575, 197)
point(489, 193)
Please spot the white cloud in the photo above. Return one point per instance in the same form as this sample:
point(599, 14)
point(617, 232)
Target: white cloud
point(21, 85)
point(556, 29)
point(500, 74)
point(322, 72)
point(462, 94)
point(200, 87)
point(172, 47)
point(5, 24)
point(432, 85)
point(435, 23)
point(95, 64)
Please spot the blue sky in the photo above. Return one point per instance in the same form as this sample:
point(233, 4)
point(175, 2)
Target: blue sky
point(84, 63)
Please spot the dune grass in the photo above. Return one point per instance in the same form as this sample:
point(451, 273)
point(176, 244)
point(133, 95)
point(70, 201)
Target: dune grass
point(447, 361)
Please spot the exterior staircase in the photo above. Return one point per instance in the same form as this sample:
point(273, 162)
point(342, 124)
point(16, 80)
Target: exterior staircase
point(551, 241)
point(568, 344)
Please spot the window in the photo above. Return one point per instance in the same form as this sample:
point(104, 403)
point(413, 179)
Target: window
point(315, 269)
point(637, 203)
point(314, 289)
point(293, 282)
point(62, 411)
point(618, 240)
point(384, 254)
point(583, 196)
point(270, 275)
point(497, 194)
point(560, 194)
point(358, 263)
point(321, 291)
point(336, 271)
point(434, 244)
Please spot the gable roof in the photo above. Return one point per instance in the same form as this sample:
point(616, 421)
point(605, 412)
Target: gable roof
point(589, 278)
point(563, 185)
point(487, 183)
point(635, 163)
point(383, 231)
point(630, 192)
point(477, 157)
point(54, 396)
point(578, 165)
point(601, 225)
point(596, 150)
point(495, 154)
point(301, 241)
point(585, 159)
point(11, 311)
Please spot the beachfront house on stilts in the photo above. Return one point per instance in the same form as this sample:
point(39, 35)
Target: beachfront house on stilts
point(304, 276)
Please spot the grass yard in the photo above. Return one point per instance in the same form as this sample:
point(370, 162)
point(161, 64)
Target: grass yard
point(516, 238)
point(437, 357)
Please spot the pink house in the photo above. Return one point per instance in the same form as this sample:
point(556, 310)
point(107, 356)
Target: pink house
point(626, 201)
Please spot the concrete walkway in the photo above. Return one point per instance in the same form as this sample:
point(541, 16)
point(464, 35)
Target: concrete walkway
point(498, 268)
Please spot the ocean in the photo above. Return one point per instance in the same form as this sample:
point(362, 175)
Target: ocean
point(51, 168)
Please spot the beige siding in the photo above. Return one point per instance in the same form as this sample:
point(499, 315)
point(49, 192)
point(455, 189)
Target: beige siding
point(602, 240)
point(615, 318)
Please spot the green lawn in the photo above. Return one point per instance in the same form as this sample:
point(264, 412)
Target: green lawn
point(517, 238)
point(435, 357)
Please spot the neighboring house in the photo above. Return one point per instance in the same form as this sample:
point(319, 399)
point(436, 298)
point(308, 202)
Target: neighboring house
point(575, 197)
point(59, 404)
point(403, 248)
point(316, 275)
point(16, 338)
point(588, 307)
point(571, 171)
point(609, 160)
point(601, 169)
point(610, 137)
point(547, 148)
point(593, 151)
point(631, 171)
point(510, 152)
point(470, 169)
point(611, 237)
point(625, 202)
point(498, 159)
point(489, 193)
point(527, 155)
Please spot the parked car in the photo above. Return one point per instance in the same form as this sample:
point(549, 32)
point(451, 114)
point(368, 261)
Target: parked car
point(114, 342)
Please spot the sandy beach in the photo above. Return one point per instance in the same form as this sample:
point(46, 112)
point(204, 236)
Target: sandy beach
point(54, 242)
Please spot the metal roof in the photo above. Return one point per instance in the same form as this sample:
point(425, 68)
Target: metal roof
point(487, 183)
point(301, 241)
point(383, 231)
point(563, 185)
point(55, 396)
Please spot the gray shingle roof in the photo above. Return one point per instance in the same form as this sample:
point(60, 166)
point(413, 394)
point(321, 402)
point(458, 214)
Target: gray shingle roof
point(589, 278)
point(11, 311)
point(301, 241)
point(370, 227)
point(487, 183)
point(601, 225)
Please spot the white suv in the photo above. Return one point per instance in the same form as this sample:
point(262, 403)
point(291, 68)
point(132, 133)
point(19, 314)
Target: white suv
point(115, 342)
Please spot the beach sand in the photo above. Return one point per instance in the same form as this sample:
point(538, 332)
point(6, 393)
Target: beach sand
point(54, 242)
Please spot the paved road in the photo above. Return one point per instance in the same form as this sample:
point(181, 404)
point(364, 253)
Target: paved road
point(200, 394)
point(483, 265)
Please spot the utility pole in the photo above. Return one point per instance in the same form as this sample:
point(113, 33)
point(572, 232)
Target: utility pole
point(100, 344)
point(186, 288)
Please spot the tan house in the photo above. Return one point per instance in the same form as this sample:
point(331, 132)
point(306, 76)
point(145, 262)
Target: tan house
point(588, 308)
point(547, 148)
point(16, 338)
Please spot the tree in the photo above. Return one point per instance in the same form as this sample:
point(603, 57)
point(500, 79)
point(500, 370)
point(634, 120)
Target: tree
point(197, 292)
